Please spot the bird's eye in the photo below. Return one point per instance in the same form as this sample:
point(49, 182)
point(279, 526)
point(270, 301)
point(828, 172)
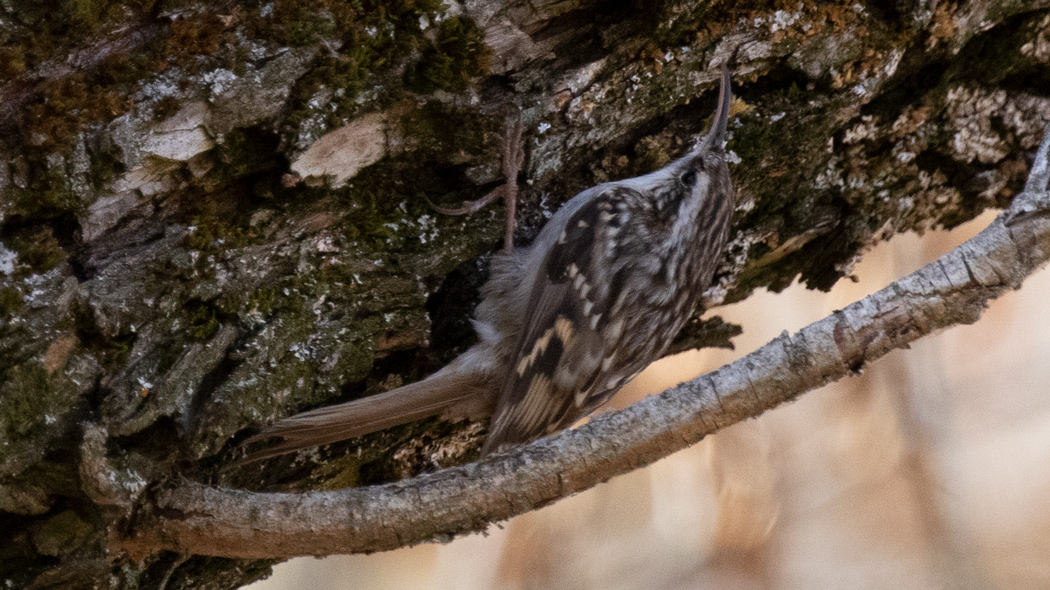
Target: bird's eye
point(689, 179)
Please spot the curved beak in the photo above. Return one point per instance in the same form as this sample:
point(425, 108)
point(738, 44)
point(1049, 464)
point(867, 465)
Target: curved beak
point(717, 135)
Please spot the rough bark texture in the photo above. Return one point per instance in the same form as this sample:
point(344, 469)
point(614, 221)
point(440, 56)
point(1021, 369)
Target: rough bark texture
point(214, 214)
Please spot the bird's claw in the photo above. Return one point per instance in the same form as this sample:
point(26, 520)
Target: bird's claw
point(513, 158)
point(468, 207)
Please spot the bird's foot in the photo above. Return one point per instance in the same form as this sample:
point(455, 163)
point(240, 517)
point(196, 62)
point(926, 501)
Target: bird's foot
point(513, 158)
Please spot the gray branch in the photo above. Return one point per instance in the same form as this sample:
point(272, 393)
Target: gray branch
point(199, 519)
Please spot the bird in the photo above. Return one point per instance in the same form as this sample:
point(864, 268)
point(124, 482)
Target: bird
point(567, 321)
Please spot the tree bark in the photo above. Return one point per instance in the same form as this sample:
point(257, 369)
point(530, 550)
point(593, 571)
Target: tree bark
point(214, 215)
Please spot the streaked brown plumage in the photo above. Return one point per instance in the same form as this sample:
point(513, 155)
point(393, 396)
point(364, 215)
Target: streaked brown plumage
point(564, 323)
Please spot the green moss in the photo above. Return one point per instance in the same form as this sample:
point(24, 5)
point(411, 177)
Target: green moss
point(673, 24)
point(258, 303)
point(36, 33)
point(52, 196)
point(10, 302)
point(116, 350)
point(202, 321)
point(64, 107)
point(62, 534)
point(37, 248)
point(200, 34)
point(110, 350)
point(457, 55)
point(27, 400)
point(219, 205)
point(991, 59)
point(345, 72)
point(380, 201)
point(106, 166)
point(381, 206)
point(263, 301)
point(380, 37)
point(444, 132)
point(85, 13)
point(651, 160)
point(372, 205)
point(212, 233)
point(12, 62)
point(769, 167)
point(298, 23)
point(309, 363)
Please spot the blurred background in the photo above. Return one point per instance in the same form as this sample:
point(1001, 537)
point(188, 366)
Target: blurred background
point(931, 470)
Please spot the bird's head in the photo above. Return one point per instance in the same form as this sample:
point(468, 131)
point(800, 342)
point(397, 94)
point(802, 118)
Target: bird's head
point(677, 192)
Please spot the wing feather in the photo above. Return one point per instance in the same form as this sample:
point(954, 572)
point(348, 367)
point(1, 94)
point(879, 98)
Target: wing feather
point(562, 347)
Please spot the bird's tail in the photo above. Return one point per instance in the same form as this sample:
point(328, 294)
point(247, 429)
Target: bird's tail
point(448, 392)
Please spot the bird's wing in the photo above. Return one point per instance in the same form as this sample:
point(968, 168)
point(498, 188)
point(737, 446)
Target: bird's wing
point(565, 341)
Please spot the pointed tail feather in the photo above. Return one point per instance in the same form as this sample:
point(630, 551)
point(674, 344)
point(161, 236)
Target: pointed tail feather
point(439, 393)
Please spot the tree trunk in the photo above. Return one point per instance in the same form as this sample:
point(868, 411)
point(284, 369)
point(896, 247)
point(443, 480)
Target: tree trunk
point(213, 215)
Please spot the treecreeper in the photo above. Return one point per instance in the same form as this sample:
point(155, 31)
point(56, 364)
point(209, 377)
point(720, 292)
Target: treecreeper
point(566, 322)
